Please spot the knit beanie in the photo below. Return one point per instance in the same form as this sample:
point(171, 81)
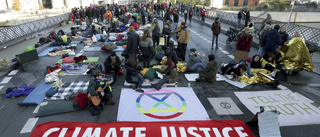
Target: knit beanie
point(193, 50)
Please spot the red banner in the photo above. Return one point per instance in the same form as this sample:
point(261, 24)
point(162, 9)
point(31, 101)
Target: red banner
point(210, 128)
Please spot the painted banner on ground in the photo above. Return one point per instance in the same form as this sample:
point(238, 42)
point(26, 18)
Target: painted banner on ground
point(226, 128)
point(294, 110)
point(167, 104)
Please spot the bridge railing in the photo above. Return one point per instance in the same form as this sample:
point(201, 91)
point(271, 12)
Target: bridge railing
point(310, 34)
point(15, 32)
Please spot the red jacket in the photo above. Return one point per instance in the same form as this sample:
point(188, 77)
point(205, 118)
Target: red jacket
point(203, 11)
point(244, 43)
point(81, 98)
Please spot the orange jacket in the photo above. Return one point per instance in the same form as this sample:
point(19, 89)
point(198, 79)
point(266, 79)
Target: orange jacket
point(108, 15)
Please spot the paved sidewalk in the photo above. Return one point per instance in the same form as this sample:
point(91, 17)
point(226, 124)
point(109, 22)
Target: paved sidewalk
point(224, 27)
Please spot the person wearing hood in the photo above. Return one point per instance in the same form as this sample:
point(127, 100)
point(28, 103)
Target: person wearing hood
point(184, 39)
point(244, 44)
point(271, 40)
point(132, 44)
point(209, 73)
point(156, 31)
point(170, 75)
point(262, 33)
point(256, 62)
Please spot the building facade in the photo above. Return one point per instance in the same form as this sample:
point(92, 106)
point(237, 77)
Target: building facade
point(241, 3)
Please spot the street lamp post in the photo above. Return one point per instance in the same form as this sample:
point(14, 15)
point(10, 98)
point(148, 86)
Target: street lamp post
point(292, 4)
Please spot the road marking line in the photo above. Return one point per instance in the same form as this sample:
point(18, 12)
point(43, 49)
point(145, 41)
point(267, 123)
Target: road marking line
point(6, 80)
point(282, 87)
point(225, 52)
point(1, 87)
point(13, 72)
point(29, 125)
point(231, 56)
point(2, 107)
point(37, 108)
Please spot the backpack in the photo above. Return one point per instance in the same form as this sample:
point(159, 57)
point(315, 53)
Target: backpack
point(51, 69)
point(185, 11)
point(51, 35)
point(190, 13)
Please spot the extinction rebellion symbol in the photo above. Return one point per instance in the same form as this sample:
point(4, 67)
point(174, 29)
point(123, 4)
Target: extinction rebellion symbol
point(174, 112)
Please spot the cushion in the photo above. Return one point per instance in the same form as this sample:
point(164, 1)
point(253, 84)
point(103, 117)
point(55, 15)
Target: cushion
point(68, 60)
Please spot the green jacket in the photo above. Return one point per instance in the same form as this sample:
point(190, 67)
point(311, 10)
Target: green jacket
point(153, 26)
point(210, 71)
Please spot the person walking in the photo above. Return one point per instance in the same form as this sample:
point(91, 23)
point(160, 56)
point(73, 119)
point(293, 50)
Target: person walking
point(147, 48)
point(175, 20)
point(216, 30)
point(185, 12)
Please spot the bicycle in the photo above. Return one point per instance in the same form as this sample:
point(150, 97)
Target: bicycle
point(232, 35)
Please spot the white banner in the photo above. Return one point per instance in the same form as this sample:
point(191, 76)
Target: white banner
point(294, 110)
point(167, 104)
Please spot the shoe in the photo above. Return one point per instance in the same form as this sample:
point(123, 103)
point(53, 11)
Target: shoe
point(133, 86)
point(110, 103)
point(139, 90)
point(217, 47)
point(155, 86)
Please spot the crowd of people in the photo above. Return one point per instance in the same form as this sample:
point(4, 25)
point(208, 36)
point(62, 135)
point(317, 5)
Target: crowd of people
point(130, 16)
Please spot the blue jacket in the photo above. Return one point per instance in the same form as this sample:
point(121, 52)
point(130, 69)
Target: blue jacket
point(20, 91)
point(271, 40)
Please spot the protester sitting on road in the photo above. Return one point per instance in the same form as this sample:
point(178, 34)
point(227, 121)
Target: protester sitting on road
point(256, 62)
point(171, 54)
point(268, 62)
point(170, 75)
point(106, 95)
point(248, 62)
point(112, 63)
point(133, 74)
point(234, 69)
point(195, 60)
point(209, 73)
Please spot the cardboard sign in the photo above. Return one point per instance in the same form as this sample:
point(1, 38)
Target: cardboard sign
point(232, 128)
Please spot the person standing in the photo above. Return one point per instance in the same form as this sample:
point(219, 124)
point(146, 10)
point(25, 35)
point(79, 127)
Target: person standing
point(216, 30)
point(203, 14)
point(284, 36)
point(147, 48)
point(184, 39)
point(77, 17)
point(190, 14)
point(210, 71)
point(262, 33)
point(132, 44)
point(89, 15)
point(175, 20)
point(271, 40)
point(156, 31)
point(109, 16)
point(239, 18)
point(244, 44)
point(143, 15)
point(102, 12)
point(247, 18)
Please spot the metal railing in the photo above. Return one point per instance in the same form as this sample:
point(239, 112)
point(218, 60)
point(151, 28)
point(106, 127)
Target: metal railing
point(310, 34)
point(15, 32)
